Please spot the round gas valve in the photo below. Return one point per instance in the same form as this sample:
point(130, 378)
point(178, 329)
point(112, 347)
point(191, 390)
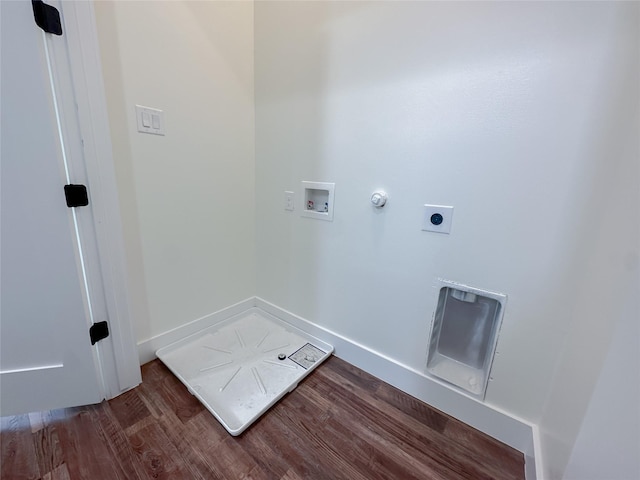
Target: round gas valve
point(379, 198)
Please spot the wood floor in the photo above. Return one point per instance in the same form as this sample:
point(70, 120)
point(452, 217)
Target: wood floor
point(340, 423)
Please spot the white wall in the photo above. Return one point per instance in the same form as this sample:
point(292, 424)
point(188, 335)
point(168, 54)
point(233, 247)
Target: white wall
point(188, 197)
point(515, 113)
point(607, 262)
point(609, 439)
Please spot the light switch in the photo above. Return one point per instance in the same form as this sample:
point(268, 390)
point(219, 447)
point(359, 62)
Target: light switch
point(145, 119)
point(150, 120)
point(288, 200)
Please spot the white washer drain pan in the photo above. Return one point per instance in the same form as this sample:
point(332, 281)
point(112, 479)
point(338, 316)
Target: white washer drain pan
point(241, 367)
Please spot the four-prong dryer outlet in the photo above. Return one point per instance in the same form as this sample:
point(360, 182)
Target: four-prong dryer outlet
point(437, 218)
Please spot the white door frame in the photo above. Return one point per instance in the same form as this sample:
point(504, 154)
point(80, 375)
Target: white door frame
point(77, 72)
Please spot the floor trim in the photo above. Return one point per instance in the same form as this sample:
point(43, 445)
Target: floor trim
point(147, 348)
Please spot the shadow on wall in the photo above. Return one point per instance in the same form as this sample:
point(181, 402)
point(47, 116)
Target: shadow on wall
point(219, 35)
point(605, 263)
point(123, 163)
point(296, 91)
point(191, 240)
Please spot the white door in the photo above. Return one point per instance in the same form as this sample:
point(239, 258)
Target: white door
point(46, 357)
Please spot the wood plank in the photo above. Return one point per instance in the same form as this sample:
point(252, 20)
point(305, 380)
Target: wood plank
point(164, 392)
point(355, 376)
point(157, 454)
point(413, 407)
point(350, 453)
point(499, 460)
point(129, 409)
point(83, 450)
point(59, 473)
point(302, 439)
point(112, 435)
point(19, 457)
point(196, 443)
point(48, 446)
point(291, 475)
point(258, 444)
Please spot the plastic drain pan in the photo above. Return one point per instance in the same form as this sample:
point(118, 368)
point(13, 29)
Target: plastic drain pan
point(241, 367)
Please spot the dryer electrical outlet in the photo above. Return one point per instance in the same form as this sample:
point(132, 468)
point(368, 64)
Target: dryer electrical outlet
point(437, 218)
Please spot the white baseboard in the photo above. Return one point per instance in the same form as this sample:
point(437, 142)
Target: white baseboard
point(533, 458)
point(496, 423)
point(147, 348)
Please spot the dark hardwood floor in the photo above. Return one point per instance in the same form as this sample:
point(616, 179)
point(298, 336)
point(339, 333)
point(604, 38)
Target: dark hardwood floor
point(339, 423)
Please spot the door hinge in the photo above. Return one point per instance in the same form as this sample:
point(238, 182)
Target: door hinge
point(47, 17)
point(76, 195)
point(98, 331)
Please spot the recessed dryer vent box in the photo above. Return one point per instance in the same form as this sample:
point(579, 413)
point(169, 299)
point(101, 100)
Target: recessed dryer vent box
point(318, 200)
point(464, 334)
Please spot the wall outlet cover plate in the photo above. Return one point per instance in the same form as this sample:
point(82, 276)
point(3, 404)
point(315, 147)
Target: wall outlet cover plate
point(437, 218)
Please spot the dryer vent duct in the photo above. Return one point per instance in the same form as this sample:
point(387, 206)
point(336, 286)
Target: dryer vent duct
point(463, 336)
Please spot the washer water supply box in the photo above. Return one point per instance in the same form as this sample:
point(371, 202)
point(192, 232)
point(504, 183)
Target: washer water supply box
point(241, 367)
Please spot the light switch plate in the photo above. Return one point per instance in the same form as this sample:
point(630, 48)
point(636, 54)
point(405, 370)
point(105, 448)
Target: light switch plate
point(437, 218)
point(288, 200)
point(150, 120)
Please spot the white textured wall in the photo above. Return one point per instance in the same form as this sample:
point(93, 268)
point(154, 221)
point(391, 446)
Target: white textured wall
point(516, 114)
point(607, 254)
point(609, 440)
point(187, 197)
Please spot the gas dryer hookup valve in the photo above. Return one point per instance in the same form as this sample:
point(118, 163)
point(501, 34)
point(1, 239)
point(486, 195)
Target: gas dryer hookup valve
point(379, 198)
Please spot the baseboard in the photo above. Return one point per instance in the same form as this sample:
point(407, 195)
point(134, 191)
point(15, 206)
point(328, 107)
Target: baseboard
point(534, 469)
point(496, 423)
point(147, 348)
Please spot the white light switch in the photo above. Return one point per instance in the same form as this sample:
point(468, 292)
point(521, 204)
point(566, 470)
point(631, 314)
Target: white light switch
point(288, 200)
point(150, 120)
point(145, 119)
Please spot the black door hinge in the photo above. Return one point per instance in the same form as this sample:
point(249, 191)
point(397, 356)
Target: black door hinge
point(76, 195)
point(98, 331)
point(47, 17)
